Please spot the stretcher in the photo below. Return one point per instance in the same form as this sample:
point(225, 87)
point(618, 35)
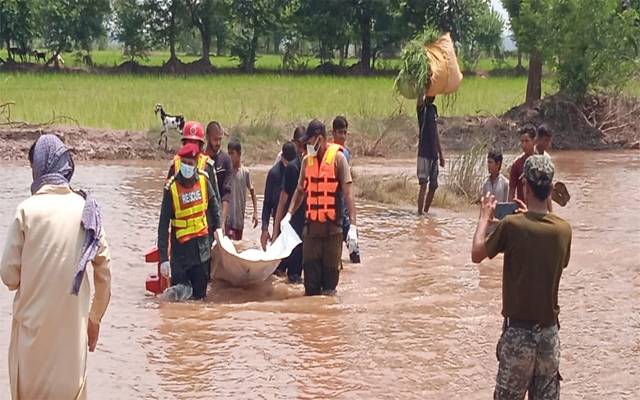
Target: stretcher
point(239, 269)
point(251, 266)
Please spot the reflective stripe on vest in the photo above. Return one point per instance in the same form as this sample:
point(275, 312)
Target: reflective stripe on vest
point(190, 208)
point(201, 164)
point(321, 185)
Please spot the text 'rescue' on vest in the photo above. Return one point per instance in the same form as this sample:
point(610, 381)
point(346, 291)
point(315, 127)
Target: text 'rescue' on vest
point(190, 209)
point(201, 164)
point(321, 185)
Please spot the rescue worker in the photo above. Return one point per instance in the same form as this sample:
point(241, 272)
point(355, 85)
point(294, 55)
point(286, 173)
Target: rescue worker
point(325, 175)
point(193, 132)
point(190, 207)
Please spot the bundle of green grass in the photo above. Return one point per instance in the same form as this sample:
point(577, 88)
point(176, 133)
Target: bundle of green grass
point(415, 72)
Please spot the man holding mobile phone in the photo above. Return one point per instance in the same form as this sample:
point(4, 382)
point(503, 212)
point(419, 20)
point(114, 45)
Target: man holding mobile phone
point(536, 246)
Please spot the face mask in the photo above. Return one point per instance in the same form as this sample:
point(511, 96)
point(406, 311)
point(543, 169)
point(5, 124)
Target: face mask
point(312, 149)
point(187, 171)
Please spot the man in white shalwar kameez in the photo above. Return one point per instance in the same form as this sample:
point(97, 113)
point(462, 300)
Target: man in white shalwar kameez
point(54, 234)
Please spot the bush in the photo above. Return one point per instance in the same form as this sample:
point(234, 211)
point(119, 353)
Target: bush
point(466, 173)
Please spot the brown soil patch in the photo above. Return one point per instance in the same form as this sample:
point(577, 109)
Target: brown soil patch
point(84, 143)
point(600, 123)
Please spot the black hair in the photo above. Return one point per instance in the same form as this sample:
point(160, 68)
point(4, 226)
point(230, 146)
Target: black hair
point(340, 122)
point(31, 149)
point(289, 151)
point(529, 130)
point(234, 145)
point(315, 128)
point(298, 133)
point(214, 126)
point(543, 130)
point(541, 192)
point(495, 155)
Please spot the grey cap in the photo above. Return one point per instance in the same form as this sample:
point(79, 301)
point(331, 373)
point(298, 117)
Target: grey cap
point(539, 170)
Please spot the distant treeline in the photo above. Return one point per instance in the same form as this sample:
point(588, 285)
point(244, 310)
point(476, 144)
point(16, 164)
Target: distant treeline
point(331, 30)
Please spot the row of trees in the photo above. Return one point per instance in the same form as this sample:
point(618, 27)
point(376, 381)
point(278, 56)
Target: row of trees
point(326, 28)
point(588, 43)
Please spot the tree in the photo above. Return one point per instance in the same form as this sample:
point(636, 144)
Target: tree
point(513, 9)
point(453, 16)
point(592, 44)
point(208, 17)
point(73, 24)
point(484, 34)
point(528, 25)
point(18, 23)
point(329, 36)
point(130, 28)
point(366, 14)
point(165, 19)
point(252, 19)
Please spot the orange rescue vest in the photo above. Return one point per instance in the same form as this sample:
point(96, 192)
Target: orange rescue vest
point(190, 209)
point(321, 185)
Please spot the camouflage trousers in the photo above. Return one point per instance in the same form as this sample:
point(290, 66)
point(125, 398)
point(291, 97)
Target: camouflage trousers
point(528, 361)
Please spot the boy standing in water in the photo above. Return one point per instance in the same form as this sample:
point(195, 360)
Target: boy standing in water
point(429, 152)
point(240, 181)
point(543, 140)
point(340, 129)
point(496, 183)
point(527, 144)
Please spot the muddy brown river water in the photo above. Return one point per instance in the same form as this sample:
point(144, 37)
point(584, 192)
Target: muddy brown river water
point(416, 320)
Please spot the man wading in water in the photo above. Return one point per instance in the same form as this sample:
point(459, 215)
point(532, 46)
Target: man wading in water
point(190, 207)
point(54, 235)
point(324, 176)
point(223, 166)
point(536, 246)
point(429, 152)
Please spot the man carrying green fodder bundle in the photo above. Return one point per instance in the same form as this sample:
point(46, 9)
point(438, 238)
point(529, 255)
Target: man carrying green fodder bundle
point(429, 152)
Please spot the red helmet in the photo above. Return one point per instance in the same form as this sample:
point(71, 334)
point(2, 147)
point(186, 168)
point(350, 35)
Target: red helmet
point(193, 130)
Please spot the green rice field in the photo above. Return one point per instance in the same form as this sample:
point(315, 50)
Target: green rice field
point(127, 101)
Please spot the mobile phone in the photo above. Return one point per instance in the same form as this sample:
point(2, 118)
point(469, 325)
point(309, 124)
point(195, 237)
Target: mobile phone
point(504, 209)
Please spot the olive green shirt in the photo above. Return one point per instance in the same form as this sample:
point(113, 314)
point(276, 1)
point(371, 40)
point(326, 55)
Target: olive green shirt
point(536, 249)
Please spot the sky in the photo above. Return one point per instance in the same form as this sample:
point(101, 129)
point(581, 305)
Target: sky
point(497, 5)
point(507, 42)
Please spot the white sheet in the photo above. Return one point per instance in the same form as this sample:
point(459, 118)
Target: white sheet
point(253, 265)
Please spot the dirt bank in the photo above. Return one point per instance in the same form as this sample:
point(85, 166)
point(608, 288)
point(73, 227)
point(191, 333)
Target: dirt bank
point(599, 123)
point(85, 143)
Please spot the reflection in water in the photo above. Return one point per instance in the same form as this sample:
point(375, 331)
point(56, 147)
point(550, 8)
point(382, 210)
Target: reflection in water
point(416, 320)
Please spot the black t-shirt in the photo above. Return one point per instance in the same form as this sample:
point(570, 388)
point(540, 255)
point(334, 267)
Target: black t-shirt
point(427, 123)
point(289, 185)
point(272, 189)
point(224, 169)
